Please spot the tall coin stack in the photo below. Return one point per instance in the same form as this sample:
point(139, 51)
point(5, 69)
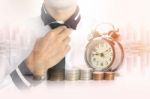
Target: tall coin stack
point(72, 74)
point(86, 74)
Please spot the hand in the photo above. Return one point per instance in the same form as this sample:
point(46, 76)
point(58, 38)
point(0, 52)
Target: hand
point(49, 50)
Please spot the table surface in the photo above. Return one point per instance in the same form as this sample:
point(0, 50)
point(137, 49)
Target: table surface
point(124, 87)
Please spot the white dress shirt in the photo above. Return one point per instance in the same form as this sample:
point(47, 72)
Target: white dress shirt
point(17, 42)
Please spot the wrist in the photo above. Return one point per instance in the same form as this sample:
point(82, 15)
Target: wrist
point(29, 64)
point(37, 68)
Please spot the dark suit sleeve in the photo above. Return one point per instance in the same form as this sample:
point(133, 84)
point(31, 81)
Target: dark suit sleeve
point(23, 78)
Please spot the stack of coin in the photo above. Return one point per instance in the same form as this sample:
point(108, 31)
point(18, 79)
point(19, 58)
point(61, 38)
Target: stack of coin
point(72, 74)
point(109, 75)
point(98, 75)
point(86, 74)
point(58, 75)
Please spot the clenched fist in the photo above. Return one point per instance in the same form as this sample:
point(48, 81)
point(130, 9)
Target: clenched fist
point(49, 50)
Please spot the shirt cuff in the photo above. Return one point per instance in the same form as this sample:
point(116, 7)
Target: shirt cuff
point(23, 77)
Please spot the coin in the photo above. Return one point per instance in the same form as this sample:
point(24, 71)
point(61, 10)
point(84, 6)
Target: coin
point(57, 75)
point(109, 75)
point(72, 74)
point(96, 75)
point(86, 74)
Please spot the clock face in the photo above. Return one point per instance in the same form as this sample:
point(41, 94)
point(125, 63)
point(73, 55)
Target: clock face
point(100, 54)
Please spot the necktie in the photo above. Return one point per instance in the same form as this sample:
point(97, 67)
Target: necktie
point(58, 71)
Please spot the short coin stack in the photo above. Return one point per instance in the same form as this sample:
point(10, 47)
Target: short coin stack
point(109, 75)
point(57, 75)
point(96, 75)
point(86, 74)
point(72, 74)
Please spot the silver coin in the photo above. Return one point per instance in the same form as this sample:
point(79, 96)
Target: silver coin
point(72, 74)
point(86, 74)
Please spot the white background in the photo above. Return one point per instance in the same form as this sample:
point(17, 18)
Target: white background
point(132, 16)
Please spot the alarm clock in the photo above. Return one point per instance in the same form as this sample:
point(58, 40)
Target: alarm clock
point(104, 52)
